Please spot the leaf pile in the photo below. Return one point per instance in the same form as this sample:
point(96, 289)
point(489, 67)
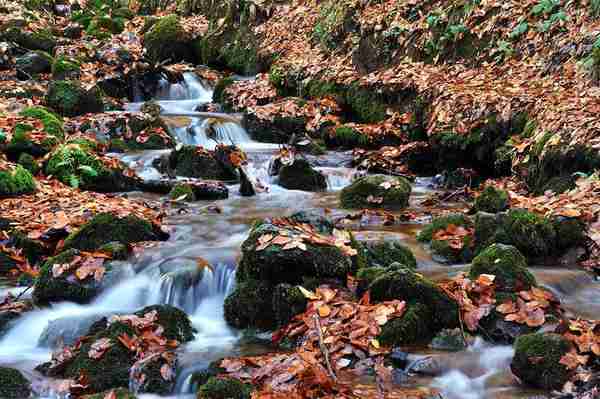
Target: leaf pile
point(530, 307)
point(83, 266)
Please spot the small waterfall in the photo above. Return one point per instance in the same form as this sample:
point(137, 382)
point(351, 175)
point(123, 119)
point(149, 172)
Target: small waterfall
point(337, 177)
point(210, 132)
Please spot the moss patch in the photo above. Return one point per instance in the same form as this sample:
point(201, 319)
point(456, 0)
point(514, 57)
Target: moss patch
point(301, 176)
point(13, 385)
point(376, 191)
point(507, 264)
point(224, 388)
point(69, 98)
point(491, 200)
point(17, 181)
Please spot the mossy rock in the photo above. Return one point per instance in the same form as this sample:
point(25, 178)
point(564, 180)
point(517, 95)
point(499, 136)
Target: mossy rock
point(289, 266)
point(65, 68)
point(537, 360)
point(182, 192)
point(38, 40)
point(288, 301)
point(66, 287)
point(69, 98)
point(22, 142)
point(443, 248)
point(559, 184)
point(117, 250)
point(167, 40)
point(384, 253)
point(414, 326)
point(405, 284)
point(301, 176)
point(7, 263)
point(250, 305)
point(491, 200)
point(105, 228)
point(370, 192)
point(278, 130)
point(191, 161)
point(102, 27)
point(570, 232)
point(112, 369)
point(16, 181)
point(224, 388)
point(34, 62)
point(34, 251)
point(507, 264)
point(220, 87)
point(314, 218)
point(13, 385)
point(500, 331)
point(442, 223)
point(451, 340)
point(53, 124)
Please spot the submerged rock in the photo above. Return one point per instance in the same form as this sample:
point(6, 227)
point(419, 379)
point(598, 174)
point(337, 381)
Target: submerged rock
point(301, 176)
point(537, 360)
point(376, 191)
point(13, 385)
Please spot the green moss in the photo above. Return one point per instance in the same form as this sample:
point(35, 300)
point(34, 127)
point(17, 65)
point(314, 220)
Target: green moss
point(537, 360)
point(29, 163)
point(570, 232)
point(187, 161)
point(175, 322)
point(219, 91)
point(404, 284)
point(415, 326)
point(103, 27)
point(366, 105)
point(69, 98)
point(49, 289)
point(64, 67)
point(348, 137)
point(329, 30)
point(507, 264)
point(116, 250)
point(531, 234)
point(442, 223)
point(17, 181)
point(167, 40)
point(250, 305)
point(182, 192)
point(451, 254)
point(288, 301)
point(301, 176)
point(491, 200)
point(13, 385)
point(38, 40)
point(357, 194)
point(105, 228)
point(53, 124)
point(387, 252)
point(224, 388)
point(33, 250)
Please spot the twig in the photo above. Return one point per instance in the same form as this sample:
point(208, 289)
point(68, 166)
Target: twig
point(323, 347)
point(24, 291)
point(454, 193)
point(462, 328)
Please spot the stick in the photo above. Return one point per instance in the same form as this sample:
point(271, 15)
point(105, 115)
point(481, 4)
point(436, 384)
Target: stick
point(462, 328)
point(323, 347)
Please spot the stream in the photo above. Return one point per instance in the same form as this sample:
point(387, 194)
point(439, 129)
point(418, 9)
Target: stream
point(167, 273)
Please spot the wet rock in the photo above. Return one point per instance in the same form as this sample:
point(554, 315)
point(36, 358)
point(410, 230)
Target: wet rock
point(376, 191)
point(444, 248)
point(116, 250)
point(13, 385)
point(114, 86)
point(106, 228)
point(279, 130)
point(77, 166)
point(246, 186)
point(301, 176)
point(432, 309)
point(250, 305)
point(385, 253)
point(9, 316)
point(16, 181)
point(315, 219)
point(537, 360)
point(50, 288)
point(34, 62)
point(491, 200)
point(451, 340)
point(66, 330)
point(196, 162)
point(167, 40)
point(288, 301)
point(73, 31)
point(198, 191)
point(69, 98)
point(224, 388)
point(112, 369)
point(570, 232)
point(507, 264)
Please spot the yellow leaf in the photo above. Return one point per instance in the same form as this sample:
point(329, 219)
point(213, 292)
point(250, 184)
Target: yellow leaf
point(308, 294)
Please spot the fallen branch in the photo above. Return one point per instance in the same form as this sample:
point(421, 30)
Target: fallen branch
point(323, 347)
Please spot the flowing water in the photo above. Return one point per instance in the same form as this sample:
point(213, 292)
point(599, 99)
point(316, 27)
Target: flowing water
point(167, 273)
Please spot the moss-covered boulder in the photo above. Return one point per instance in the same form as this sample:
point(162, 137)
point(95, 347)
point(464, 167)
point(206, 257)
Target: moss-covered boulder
point(196, 162)
point(53, 124)
point(34, 62)
point(537, 360)
point(25, 141)
point(385, 253)
point(250, 305)
point(105, 228)
point(288, 301)
point(69, 98)
point(65, 68)
point(376, 191)
point(102, 27)
point(414, 326)
point(301, 176)
point(167, 40)
point(16, 181)
point(507, 264)
point(76, 165)
point(224, 388)
point(278, 129)
point(182, 192)
point(450, 237)
point(38, 40)
point(405, 284)
point(13, 385)
point(197, 191)
point(491, 200)
point(53, 285)
point(112, 368)
point(570, 232)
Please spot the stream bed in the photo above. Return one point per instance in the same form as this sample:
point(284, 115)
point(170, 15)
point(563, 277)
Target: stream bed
point(167, 273)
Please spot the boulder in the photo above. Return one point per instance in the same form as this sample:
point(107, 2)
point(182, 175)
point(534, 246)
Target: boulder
point(196, 162)
point(491, 200)
point(69, 98)
point(537, 360)
point(34, 62)
point(106, 228)
point(453, 249)
point(507, 264)
point(198, 191)
point(167, 40)
point(39, 40)
point(414, 326)
point(224, 388)
point(301, 176)
point(13, 385)
point(53, 124)
point(385, 253)
point(376, 191)
point(16, 181)
point(65, 68)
